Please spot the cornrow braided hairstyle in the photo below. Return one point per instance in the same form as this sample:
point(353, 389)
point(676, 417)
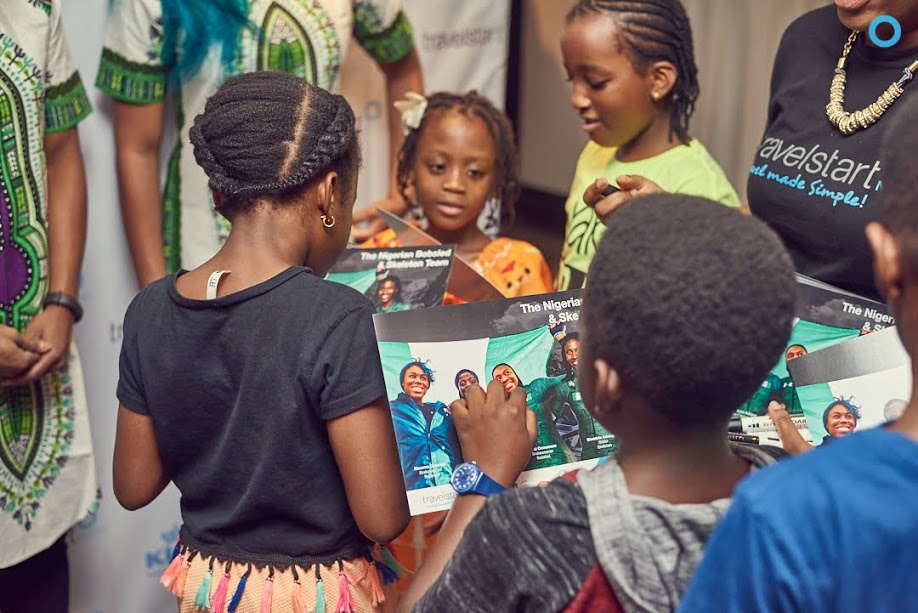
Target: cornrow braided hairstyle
point(507, 175)
point(652, 31)
point(268, 134)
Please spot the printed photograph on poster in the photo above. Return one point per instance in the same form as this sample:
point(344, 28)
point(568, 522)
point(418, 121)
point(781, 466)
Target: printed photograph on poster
point(826, 316)
point(853, 386)
point(431, 356)
point(398, 279)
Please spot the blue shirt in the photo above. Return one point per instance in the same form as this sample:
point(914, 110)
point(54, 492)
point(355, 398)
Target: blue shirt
point(833, 530)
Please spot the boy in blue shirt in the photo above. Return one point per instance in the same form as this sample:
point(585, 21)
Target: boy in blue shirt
point(836, 529)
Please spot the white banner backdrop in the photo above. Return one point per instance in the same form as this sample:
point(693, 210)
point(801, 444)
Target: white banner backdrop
point(117, 556)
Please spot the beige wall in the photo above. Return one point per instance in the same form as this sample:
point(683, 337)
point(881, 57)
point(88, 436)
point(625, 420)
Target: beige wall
point(735, 43)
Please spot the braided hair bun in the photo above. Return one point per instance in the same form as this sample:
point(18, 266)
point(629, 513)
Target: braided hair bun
point(266, 133)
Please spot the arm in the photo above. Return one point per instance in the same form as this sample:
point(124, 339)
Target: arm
point(138, 135)
point(402, 77)
point(66, 241)
point(498, 433)
point(137, 469)
point(371, 470)
point(791, 439)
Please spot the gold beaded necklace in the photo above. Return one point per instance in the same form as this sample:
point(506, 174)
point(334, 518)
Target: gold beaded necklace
point(849, 123)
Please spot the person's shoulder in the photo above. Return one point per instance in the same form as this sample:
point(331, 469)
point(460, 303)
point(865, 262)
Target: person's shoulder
point(823, 473)
point(699, 174)
point(153, 294)
point(813, 22)
point(816, 25)
point(558, 502)
point(336, 298)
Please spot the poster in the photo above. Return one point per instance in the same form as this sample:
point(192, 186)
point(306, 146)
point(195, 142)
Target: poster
point(429, 357)
point(856, 385)
point(396, 279)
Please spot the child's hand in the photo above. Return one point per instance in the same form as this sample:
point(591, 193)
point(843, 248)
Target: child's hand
point(496, 430)
point(791, 439)
point(632, 186)
point(368, 222)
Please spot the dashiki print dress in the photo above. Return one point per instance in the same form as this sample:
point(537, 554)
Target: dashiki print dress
point(308, 38)
point(47, 477)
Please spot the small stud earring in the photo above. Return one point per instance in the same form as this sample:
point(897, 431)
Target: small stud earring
point(655, 96)
point(328, 221)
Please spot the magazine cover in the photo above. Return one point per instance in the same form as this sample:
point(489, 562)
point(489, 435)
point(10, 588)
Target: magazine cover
point(398, 279)
point(430, 356)
point(465, 284)
point(826, 316)
point(856, 385)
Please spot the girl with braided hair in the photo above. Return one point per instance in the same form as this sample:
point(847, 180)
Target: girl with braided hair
point(254, 385)
point(459, 158)
point(634, 84)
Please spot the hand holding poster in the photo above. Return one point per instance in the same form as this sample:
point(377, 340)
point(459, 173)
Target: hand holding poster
point(431, 356)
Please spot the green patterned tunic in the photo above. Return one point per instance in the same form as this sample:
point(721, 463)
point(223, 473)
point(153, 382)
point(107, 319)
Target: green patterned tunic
point(47, 477)
point(308, 38)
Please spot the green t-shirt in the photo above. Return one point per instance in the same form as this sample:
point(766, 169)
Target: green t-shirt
point(684, 169)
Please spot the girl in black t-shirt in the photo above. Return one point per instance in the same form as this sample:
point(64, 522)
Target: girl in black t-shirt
point(261, 395)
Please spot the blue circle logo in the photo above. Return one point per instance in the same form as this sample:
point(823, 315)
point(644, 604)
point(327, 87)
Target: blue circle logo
point(889, 42)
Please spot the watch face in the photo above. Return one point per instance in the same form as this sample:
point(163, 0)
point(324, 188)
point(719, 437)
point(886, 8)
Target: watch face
point(464, 477)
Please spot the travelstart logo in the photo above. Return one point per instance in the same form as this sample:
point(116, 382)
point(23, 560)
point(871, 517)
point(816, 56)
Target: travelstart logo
point(885, 43)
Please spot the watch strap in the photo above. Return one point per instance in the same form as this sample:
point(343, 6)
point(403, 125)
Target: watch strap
point(487, 486)
point(68, 302)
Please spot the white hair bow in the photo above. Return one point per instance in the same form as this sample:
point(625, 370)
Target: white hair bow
point(412, 109)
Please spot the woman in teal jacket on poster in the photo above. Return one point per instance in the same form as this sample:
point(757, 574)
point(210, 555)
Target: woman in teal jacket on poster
point(427, 440)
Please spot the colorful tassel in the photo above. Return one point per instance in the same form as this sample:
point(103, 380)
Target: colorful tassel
point(237, 595)
point(267, 594)
point(202, 599)
point(390, 561)
point(178, 588)
point(216, 605)
point(378, 595)
point(172, 571)
point(176, 549)
point(388, 575)
point(345, 600)
point(298, 606)
point(320, 591)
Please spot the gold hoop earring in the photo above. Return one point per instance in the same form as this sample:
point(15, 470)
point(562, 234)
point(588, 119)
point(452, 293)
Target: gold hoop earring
point(328, 221)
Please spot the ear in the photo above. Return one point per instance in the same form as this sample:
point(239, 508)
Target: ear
point(327, 193)
point(889, 273)
point(607, 391)
point(661, 78)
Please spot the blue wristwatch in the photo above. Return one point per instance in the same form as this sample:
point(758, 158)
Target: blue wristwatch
point(468, 478)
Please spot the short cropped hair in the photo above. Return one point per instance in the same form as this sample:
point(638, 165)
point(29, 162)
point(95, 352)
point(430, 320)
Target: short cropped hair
point(900, 181)
point(691, 302)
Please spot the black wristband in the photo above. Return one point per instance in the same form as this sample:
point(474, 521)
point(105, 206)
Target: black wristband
point(68, 302)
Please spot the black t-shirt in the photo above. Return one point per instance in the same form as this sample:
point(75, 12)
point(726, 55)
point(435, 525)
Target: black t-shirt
point(239, 389)
point(817, 188)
